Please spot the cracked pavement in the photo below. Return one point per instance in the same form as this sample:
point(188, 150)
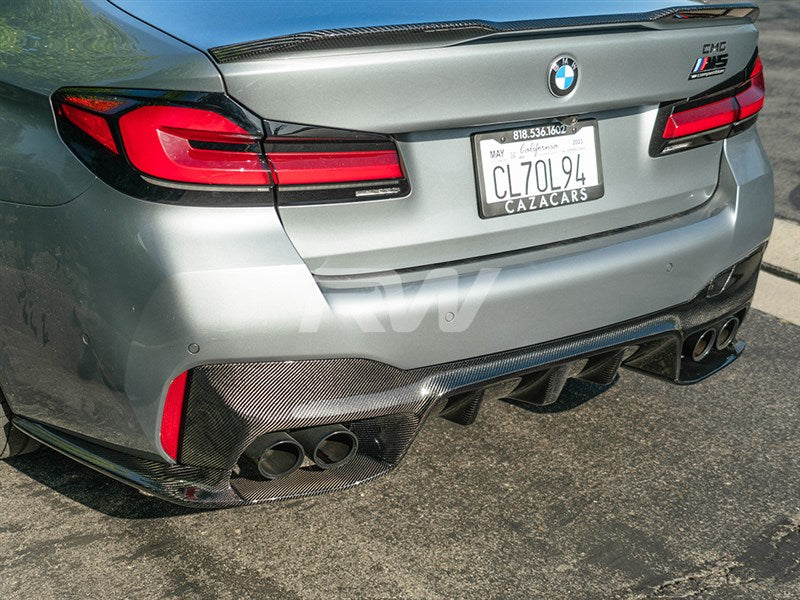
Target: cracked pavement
point(775, 557)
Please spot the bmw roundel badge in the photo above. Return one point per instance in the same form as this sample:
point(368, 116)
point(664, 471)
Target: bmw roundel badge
point(563, 76)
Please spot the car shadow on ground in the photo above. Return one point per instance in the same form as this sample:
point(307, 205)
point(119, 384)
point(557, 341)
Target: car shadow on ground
point(108, 496)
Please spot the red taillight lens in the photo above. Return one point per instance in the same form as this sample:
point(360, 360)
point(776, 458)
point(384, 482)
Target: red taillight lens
point(751, 100)
point(191, 145)
point(156, 145)
point(172, 417)
point(306, 168)
point(92, 125)
point(102, 105)
point(703, 118)
point(164, 138)
point(722, 115)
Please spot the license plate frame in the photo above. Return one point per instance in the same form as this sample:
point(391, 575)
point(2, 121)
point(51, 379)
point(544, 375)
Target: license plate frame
point(534, 202)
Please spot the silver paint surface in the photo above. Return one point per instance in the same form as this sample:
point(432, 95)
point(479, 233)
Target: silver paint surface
point(142, 281)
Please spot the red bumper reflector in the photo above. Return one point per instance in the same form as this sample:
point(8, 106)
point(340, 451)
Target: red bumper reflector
point(293, 168)
point(158, 141)
point(92, 125)
point(172, 417)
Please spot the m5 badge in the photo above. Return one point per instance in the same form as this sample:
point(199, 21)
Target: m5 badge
point(713, 62)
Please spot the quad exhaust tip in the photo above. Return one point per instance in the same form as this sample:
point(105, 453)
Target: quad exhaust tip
point(329, 446)
point(276, 455)
point(703, 345)
point(727, 333)
point(280, 454)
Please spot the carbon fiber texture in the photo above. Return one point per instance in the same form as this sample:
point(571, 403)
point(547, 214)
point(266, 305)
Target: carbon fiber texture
point(180, 484)
point(382, 443)
point(454, 31)
point(229, 405)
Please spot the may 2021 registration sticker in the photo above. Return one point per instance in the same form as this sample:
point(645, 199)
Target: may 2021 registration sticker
point(535, 168)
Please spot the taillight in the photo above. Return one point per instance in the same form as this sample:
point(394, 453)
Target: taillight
point(751, 99)
point(712, 117)
point(137, 139)
point(172, 416)
point(153, 144)
point(192, 145)
point(700, 119)
point(317, 165)
point(304, 168)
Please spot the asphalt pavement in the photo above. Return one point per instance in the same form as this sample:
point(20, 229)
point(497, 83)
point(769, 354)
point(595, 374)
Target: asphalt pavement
point(646, 490)
point(779, 46)
point(642, 490)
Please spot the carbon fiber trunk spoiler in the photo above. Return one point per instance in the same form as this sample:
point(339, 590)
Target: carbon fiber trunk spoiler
point(461, 32)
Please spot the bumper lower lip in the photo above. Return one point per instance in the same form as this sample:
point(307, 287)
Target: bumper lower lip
point(231, 404)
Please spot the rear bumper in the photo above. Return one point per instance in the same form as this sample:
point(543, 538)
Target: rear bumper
point(229, 405)
point(114, 291)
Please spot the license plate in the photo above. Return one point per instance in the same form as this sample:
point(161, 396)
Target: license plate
point(535, 168)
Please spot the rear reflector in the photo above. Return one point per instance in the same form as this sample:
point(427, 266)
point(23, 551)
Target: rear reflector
point(307, 168)
point(162, 141)
point(173, 415)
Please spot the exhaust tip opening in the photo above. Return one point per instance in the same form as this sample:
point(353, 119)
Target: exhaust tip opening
point(703, 345)
point(281, 460)
point(336, 449)
point(727, 333)
point(329, 446)
point(275, 455)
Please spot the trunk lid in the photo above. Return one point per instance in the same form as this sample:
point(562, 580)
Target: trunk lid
point(433, 97)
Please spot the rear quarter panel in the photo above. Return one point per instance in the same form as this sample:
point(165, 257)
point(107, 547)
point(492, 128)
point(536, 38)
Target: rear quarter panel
point(48, 44)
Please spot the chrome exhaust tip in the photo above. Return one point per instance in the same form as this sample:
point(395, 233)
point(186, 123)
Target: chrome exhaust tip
point(727, 333)
point(703, 345)
point(276, 455)
point(330, 446)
